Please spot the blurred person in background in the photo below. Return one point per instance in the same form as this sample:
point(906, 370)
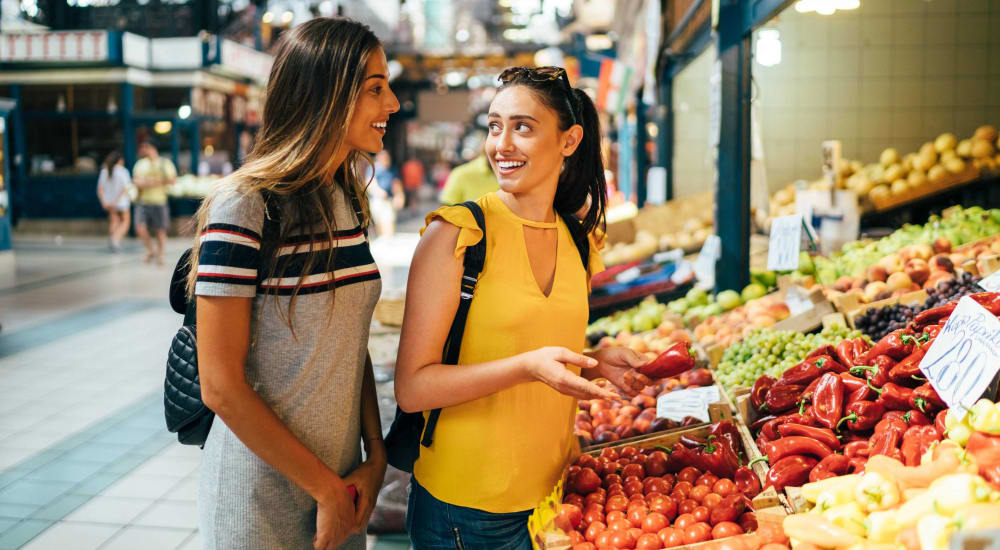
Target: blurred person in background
point(385, 194)
point(413, 179)
point(469, 181)
point(283, 314)
point(439, 173)
point(152, 175)
point(505, 431)
point(113, 191)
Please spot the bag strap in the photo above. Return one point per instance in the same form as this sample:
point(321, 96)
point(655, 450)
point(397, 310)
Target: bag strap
point(269, 234)
point(475, 257)
point(579, 237)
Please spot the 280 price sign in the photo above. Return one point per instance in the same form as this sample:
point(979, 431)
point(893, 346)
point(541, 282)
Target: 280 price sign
point(965, 356)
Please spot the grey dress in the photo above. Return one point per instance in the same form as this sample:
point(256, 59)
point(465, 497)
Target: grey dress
point(311, 380)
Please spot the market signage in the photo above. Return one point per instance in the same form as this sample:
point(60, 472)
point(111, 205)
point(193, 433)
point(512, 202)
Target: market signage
point(62, 46)
point(239, 59)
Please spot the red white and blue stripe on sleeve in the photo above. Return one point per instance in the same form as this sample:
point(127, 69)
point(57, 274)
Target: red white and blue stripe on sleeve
point(229, 255)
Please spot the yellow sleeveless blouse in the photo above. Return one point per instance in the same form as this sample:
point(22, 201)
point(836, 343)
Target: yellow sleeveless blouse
point(504, 452)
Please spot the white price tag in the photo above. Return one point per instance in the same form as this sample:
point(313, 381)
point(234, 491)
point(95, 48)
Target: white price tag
point(674, 255)
point(991, 283)
point(628, 275)
point(786, 238)
point(682, 273)
point(965, 356)
point(690, 402)
point(796, 301)
point(704, 266)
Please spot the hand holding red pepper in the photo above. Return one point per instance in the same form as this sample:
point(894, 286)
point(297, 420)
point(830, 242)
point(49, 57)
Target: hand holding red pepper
point(675, 360)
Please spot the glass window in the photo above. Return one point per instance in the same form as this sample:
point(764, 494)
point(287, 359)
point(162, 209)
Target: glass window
point(97, 138)
point(45, 98)
point(50, 147)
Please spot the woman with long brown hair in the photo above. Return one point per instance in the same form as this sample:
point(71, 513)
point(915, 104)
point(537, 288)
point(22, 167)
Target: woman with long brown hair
point(285, 287)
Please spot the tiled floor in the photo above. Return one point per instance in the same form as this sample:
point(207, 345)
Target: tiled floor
point(85, 461)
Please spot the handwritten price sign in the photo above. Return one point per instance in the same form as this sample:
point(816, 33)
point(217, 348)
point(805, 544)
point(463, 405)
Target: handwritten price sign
point(965, 357)
point(691, 402)
point(785, 242)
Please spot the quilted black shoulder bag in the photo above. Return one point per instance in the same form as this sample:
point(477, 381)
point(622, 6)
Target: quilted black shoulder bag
point(185, 412)
point(408, 431)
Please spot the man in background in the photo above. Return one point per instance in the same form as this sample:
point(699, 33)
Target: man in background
point(469, 181)
point(152, 175)
point(413, 179)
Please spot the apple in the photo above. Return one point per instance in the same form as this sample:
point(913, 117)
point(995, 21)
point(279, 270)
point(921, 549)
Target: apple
point(891, 263)
point(779, 311)
point(873, 289)
point(877, 273)
point(917, 270)
point(942, 245)
point(897, 281)
point(942, 262)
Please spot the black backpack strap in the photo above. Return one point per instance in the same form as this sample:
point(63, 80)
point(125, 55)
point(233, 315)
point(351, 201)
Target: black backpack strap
point(579, 237)
point(475, 257)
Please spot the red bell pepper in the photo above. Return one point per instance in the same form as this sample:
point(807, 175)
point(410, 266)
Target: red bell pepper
point(989, 300)
point(985, 449)
point(725, 432)
point(877, 372)
point(894, 397)
point(759, 391)
point(856, 388)
point(782, 398)
point(932, 332)
point(862, 415)
point(852, 349)
point(794, 445)
point(756, 425)
point(691, 441)
point(911, 417)
point(769, 430)
point(887, 438)
point(891, 344)
point(789, 471)
point(930, 398)
point(831, 466)
point(825, 349)
point(823, 435)
point(673, 361)
point(916, 441)
point(809, 370)
point(717, 457)
point(858, 465)
point(747, 482)
point(828, 400)
point(905, 371)
point(856, 449)
point(939, 421)
point(678, 458)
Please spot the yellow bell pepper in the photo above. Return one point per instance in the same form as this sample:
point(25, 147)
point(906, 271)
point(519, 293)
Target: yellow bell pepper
point(849, 516)
point(945, 495)
point(876, 492)
point(842, 487)
point(933, 532)
point(952, 419)
point(960, 434)
point(883, 527)
point(984, 416)
point(978, 516)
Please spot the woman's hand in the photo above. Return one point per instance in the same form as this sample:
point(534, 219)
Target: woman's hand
point(618, 365)
point(548, 365)
point(334, 517)
point(367, 479)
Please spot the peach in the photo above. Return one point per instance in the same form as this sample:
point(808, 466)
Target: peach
point(779, 311)
point(917, 270)
point(843, 283)
point(877, 273)
point(892, 263)
point(942, 262)
point(897, 281)
point(936, 277)
point(922, 251)
point(942, 245)
point(957, 259)
point(873, 289)
point(763, 321)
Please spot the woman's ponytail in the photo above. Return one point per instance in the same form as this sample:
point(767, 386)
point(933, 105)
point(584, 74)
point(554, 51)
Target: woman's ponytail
point(583, 171)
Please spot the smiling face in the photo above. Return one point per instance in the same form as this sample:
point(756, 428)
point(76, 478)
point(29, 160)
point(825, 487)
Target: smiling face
point(524, 145)
point(372, 109)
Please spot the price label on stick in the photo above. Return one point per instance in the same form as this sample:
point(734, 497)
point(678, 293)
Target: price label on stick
point(786, 239)
point(991, 283)
point(965, 356)
point(704, 266)
point(682, 272)
point(690, 402)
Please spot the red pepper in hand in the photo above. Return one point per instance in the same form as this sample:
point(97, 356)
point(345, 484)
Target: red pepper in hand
point(930, 398)
point(831, 466)
point(856, 449)
point(782, 398)
point(789, 471)
point(905, 371)
point(892, 344)
point(828, 400)
point(916, 441)
point(823, 435)
point(862, 415)
point(747, 482)
point(794, 445)
point(717, 457)
point(675, 360)
point(894, 397)
point(851, 350)
point(759, 391)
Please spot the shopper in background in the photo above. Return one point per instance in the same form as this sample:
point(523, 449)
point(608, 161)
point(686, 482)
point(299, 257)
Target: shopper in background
point(469, 181)
point(284, 361)
point(386, 194)
point(113, 191)
point(152, 174)
point(506, 428)
point(413, 180)
point(439, 173)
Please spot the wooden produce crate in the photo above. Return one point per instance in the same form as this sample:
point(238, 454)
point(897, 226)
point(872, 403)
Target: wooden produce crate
point(811, 319)
point(970, 174)
point(851, 314)
point(769, 506)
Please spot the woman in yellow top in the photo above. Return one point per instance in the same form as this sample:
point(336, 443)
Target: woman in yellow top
point(506, 428)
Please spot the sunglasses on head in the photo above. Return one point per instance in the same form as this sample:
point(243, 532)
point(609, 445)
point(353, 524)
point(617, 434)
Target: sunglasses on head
point(542, 74)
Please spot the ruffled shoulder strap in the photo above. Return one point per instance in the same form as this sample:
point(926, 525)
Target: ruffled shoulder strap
point(459, 216)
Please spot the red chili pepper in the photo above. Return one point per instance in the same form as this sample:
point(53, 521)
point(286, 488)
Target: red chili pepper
point(769, 430)
point(826, 349)
point(858, 465)
point(939, 420)
point(830, 466)
point(759, 391)
point(782, 398)
point(887, 438)
point(905, 370)
point(691, 441)
point(862, 415)
point(930, 397)
point(794, 445)
point(916, 441)
point(823, 435)
point(932, 315)
point(756, 425)
point(932, 332)
point(747, 482)
point(828, 400)
point(856, 449)
point(877, 372)
point(894, 397)
point(856, 388)
point(717, 457)
point(809, 370)
point(789, 471)
point(892, 344)
point(911, 417)
point(673, 361)
point(850, 350)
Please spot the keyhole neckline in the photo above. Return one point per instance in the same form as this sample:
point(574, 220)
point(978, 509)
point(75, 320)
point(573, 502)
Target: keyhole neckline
point(524, 221)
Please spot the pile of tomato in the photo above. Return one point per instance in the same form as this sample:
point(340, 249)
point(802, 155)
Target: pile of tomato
point(627, 498)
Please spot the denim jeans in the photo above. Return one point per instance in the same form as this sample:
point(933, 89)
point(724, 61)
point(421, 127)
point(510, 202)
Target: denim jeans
point(436, 525)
